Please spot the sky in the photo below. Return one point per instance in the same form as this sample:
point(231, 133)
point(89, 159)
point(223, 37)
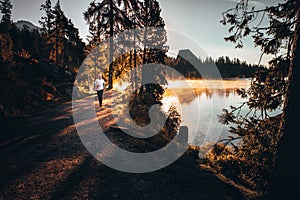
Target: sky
point(197, 20)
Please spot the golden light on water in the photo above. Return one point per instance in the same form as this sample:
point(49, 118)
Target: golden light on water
point(200, 101)
point(185, 91)
point(210, 84)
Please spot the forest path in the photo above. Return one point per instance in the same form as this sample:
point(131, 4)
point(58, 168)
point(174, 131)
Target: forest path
point(43, 158)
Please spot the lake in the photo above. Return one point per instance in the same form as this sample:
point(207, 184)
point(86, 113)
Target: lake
point(200, 102)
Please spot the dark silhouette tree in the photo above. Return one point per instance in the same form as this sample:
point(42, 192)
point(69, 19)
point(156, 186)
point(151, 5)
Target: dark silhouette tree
point(105, 19)
point(263, 135)
point(47, 27)
point(46, 21)
point(59, 34)
point(150, 17)
point(65, 46)
point(6, 11)
point(286, 182)
point(74, 47)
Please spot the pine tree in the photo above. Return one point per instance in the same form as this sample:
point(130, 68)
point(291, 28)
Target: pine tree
point(106, 19)
point(46, 22)
point(57, 53)
point(65, 46)
point(47, 26)
point(6, 7)
point(74, 47)
point(109, 17)
point(53, 29)
point(150, 16)
point(150, 19)
point(6, 11)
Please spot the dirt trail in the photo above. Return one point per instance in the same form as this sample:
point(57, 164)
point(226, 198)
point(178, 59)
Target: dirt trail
point(43, 158)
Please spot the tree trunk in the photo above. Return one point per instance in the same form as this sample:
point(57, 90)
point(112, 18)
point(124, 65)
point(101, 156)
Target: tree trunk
point(131, 71)
point(285, 183)
point(144, 73)
point(111, 48)
point(135, 57)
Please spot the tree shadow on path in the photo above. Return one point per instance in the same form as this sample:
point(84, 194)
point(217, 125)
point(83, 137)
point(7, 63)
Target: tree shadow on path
point(48, 161)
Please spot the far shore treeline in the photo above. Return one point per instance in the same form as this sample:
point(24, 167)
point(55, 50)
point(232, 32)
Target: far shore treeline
point(228, 68)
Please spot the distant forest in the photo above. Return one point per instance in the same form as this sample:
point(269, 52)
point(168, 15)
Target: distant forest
point(228, 68)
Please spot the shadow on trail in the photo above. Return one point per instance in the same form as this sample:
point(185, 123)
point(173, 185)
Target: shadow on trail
point(48, 161)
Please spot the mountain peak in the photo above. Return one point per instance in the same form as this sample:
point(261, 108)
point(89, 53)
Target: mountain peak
point(23, 24)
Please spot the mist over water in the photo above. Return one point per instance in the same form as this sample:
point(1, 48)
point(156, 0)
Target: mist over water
point(212, 96)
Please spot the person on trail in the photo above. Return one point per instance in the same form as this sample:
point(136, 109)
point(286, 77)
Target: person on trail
point(99, 87)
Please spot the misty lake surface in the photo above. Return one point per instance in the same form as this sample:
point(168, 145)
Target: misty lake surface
point(199, 103)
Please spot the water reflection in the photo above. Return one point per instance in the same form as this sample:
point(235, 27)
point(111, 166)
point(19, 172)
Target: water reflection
point(207, 97)
point(187, 95)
